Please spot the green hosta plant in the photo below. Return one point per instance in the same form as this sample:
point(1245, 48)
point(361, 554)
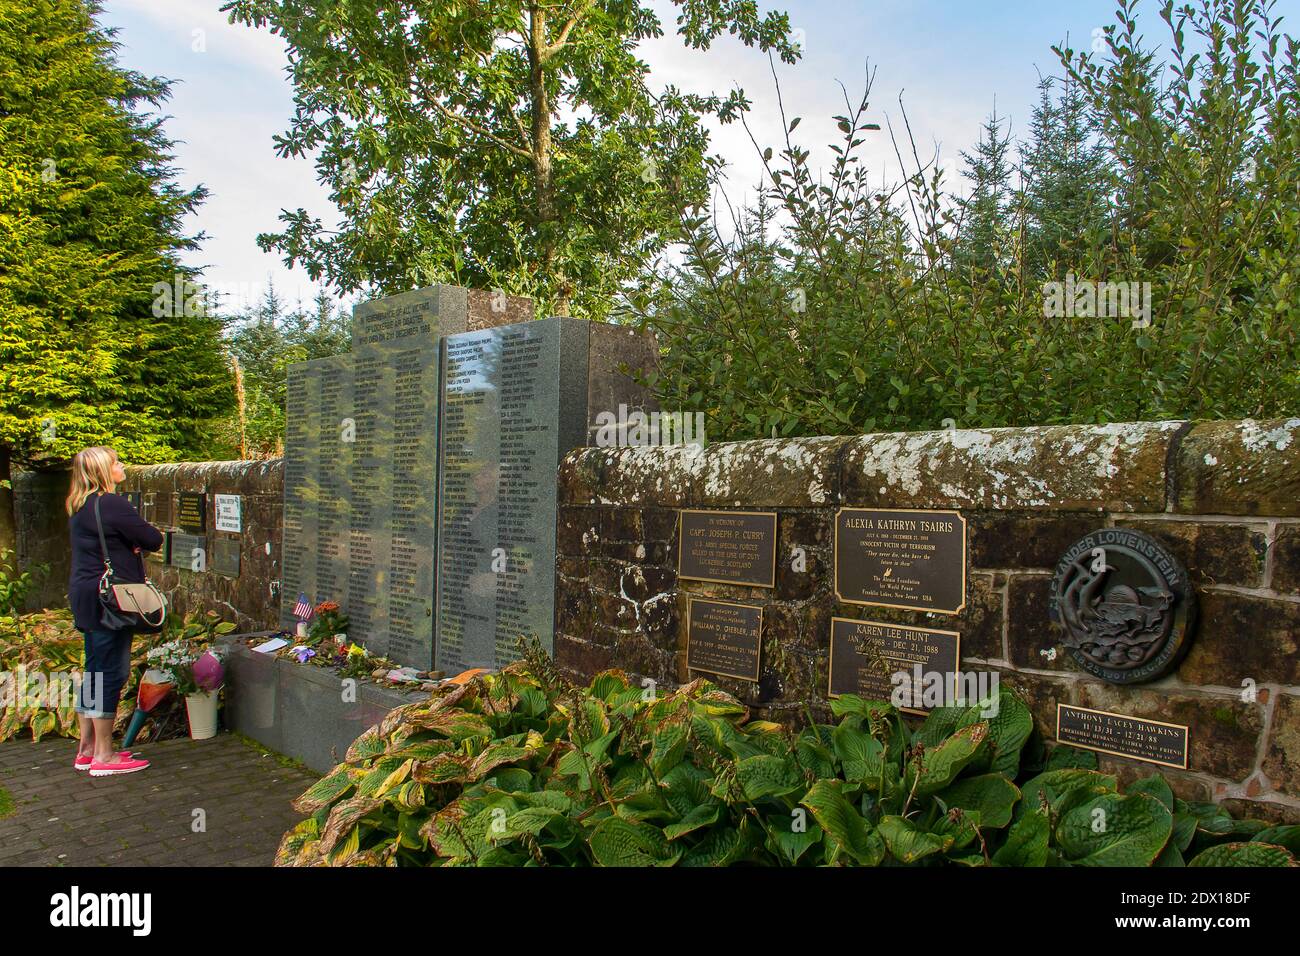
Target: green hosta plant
point(521, 768)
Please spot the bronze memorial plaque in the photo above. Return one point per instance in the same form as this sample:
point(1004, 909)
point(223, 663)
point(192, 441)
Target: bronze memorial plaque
point(865, 656)
point(1125, 605)
point(727, 547)
point(1153, 741)
point(724, 638)
point(192, 513)
point(900, 558)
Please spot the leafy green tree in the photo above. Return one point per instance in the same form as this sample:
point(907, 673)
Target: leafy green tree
point(104, 338)
point(510, 144)
point(1183, 191)
point(264, 341)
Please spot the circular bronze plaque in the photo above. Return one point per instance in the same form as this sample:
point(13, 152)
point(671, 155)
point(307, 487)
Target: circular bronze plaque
point(1125, 605)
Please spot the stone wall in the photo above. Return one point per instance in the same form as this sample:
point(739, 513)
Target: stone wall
point(251, 600)
point(1223, 496)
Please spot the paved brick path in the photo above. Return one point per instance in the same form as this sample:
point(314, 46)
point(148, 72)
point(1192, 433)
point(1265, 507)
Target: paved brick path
point(66, 817)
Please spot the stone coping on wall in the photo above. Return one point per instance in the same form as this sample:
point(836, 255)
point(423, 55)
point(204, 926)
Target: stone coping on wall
point(1228, 468)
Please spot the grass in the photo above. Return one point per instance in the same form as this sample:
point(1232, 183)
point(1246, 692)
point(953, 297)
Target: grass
point(6, 803)
point(279, 758)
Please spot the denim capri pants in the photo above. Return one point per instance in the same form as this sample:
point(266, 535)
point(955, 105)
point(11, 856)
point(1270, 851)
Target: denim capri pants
point(108, 664)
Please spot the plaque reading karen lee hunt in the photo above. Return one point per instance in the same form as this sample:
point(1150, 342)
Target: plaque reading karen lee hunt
point(724, 638)
point(727, 547)
point(865, 656)
point(1153, 741)
point(914, 560)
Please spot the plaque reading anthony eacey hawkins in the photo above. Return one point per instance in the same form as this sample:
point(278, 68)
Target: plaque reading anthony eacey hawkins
point(724, 638)
point(1153, 741)
point(914, 560)
point(866, 656)
point(727, 547)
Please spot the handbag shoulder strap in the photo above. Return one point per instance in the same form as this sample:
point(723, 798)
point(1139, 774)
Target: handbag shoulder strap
point(103, 544)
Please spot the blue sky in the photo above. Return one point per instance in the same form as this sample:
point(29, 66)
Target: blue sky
point(951, 61)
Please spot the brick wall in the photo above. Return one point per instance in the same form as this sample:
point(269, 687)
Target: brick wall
point(1223, 496)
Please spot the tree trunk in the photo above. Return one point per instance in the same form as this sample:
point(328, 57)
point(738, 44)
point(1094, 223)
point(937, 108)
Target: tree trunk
point(8, 521)
point(542, 149)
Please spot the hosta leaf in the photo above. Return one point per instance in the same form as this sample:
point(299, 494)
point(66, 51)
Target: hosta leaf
point(906, 842)
point(1157, 787)
point(343, 819)
point(1063, 789)
point(847, 828)
point(992, 795)
point(847, 704)
point(1026, 842)
point(1244, 854)
point(767, 776)
point(43, 721)
point(706, 814)
point(1065, 757)
point(861, 755)
point(939, 766)
point(325, 791)
point(1285, 836)
point(793, 843)
point(1115, 830)
point(721, 846)
point(366, 747)
point(532, 820)
point(619, 842)
point(494, 756)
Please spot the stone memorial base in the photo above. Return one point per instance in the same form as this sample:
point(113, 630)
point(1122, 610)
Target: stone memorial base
point(299, 710)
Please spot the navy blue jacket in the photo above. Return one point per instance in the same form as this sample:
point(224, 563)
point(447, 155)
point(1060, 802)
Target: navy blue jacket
point(127, 535)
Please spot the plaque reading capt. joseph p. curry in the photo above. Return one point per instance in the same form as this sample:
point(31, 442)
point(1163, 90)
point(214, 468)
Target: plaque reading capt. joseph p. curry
point(727, 547)
point(914, 560)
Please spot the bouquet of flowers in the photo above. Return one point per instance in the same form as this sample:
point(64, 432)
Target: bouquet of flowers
point(194, 668)
point(329, 623)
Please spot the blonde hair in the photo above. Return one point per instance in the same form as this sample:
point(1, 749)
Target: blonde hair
point(92, 471)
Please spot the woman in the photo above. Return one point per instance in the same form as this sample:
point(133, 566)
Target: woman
point(95, 476)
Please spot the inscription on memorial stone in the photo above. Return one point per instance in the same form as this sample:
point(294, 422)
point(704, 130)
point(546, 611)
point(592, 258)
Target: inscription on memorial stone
point(225, 557)
point(1152, 741)
point(501, 441)
point(192, 512)
point(898, 558)
point(866, 656)
point(727, 547)
point(724, 638)
point(187, 551)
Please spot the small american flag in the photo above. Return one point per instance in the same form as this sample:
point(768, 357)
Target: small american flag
point(302, 610)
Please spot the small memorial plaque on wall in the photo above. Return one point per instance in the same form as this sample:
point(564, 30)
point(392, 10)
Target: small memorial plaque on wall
point(866, 656)
point(1152, 741)
point(228, 510)
point(134, 497)
point(192, 512)
point(225, 557)
point(914, 560)
point(187, 552)
point(724, 638)
point(727, 547)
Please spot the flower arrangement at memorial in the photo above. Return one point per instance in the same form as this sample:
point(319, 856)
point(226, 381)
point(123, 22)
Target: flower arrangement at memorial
point(329, 625)
point(521, 767)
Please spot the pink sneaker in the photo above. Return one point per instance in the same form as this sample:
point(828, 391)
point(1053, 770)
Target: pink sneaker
point(84, 761)
point(125, 765)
